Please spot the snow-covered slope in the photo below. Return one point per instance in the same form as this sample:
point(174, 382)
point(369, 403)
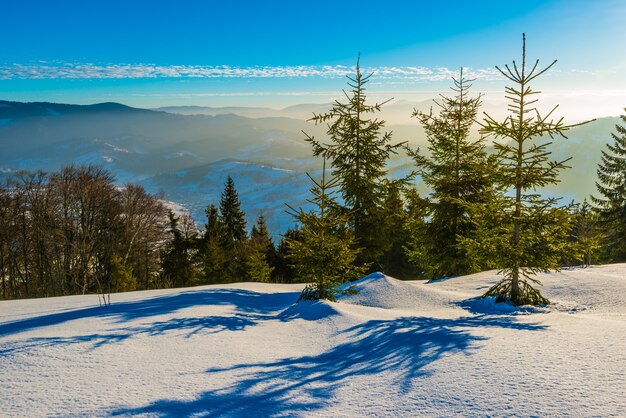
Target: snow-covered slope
point(395, 349)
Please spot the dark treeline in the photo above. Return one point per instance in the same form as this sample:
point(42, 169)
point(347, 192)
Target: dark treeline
point(223, 251)
point(74, 232)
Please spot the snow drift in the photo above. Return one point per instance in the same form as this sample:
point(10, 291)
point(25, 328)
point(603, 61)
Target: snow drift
point(381, 291)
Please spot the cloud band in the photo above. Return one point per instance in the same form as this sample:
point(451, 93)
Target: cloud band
point(136, 71)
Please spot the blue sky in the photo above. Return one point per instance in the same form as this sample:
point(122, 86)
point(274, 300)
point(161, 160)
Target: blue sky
point(153, 53)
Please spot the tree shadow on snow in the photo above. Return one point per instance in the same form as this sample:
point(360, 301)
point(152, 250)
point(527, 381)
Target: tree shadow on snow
point(243, 301)
point(487, 306)
point(405, 346)
point(188, 326)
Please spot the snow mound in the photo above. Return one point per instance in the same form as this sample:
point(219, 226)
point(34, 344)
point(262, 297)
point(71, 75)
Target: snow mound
point(309, 310)
point(571, 290)
point(381, 291)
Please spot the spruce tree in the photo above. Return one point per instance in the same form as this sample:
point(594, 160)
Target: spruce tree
point(261, 253)
point(121, 276)
point(284, 271)
point(211, 253)
point(234, 238)
point(324, 255)
point(611, 185)
point(459, 174)
point(358, 152)
point(396, 234)
point(417, 212)
point(585, 236)
point(178, 267)
point(231, 214)
point(526, 233)
point(214, 228)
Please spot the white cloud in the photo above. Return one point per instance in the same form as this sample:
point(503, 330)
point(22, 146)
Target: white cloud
point(239, 94)
point(45, 70)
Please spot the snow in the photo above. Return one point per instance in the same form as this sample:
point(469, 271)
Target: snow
point(395, 349)
point(378, 290)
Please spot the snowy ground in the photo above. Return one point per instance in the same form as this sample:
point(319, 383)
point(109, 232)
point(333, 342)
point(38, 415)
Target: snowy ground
point(396, 349)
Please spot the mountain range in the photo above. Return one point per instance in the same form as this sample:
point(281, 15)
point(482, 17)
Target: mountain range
point(185, 153)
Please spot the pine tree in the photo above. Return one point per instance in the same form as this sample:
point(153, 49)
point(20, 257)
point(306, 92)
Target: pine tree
point(231, 215)
point(325, 254)
point(526, 233)
point(261, 253)
point(584, 235)
point(234, 237)
point(210, 252)
point(178, 267)
point(417, 209)
point(396, 234)
point(122, 279)
point(611, 185)
point(358, 152)
point(459, 174)
point(284, 271)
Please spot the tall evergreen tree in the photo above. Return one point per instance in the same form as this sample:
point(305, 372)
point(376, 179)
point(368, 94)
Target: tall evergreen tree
point(459, 174)
point(585, 236)
point(396, 234)
point(261, 253)
point(234, 237)
point(611, 185)
point(417, 216)
point(284, 271)
point(178, 264)
point(231, 215)
point(211, 253)
point(529, 234)
point(214, 228)
point(325, 254)
point(358, 152)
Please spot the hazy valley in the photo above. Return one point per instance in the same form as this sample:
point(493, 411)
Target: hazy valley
point(186, 153)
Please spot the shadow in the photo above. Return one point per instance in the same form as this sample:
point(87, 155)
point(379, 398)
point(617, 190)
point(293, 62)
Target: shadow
point(574, 268)
point(189, 326)
point(308, 310)
point(203, 325)
point(244, 301)
point(441, 279)
point(15, 347)
point(401, 348)
point(488, 306)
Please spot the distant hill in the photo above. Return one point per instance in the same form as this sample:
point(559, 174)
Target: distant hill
point(396, 112)
point(19, 110)
point(584, 144)
point(250, 112)
point(142, 142)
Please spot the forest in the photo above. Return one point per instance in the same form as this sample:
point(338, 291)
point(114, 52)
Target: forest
point(74, 231)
